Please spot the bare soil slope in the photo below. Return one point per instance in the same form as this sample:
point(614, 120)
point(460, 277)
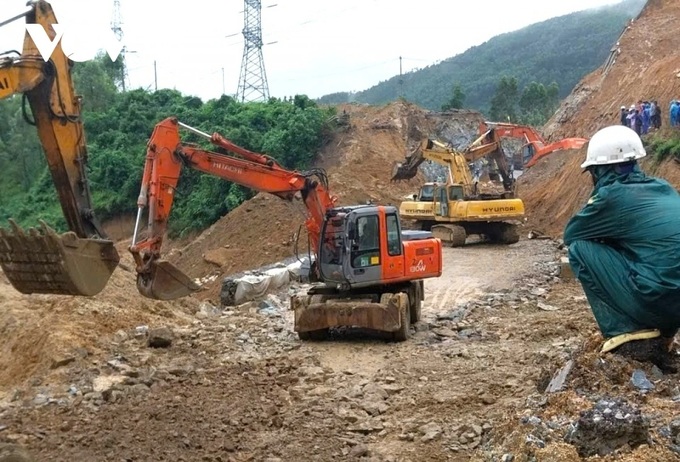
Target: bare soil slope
point(646, 67)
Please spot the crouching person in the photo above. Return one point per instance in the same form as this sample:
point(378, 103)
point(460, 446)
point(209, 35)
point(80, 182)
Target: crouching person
point(624, 248)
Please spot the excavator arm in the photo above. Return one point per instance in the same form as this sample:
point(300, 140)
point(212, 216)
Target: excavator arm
point(494, 131)
point(167, 155)
point(79, 262)
point(457, 161)
point(488, 146)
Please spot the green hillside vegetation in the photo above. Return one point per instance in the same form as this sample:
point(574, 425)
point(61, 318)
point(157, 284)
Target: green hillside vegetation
point(558, 51)
point(118, 126)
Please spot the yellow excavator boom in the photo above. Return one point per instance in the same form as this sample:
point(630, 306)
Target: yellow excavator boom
point(81, 261)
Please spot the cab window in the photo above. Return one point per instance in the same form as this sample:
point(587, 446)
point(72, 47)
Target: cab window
point(366, 248)
point(456, 193)
point(393, 237)
point(426, 193)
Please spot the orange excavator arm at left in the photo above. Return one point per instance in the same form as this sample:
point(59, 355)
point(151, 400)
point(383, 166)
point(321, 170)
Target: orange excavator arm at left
point(167, 155)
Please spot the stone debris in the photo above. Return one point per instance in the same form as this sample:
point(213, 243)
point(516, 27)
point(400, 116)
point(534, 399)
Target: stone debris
point(607, 427)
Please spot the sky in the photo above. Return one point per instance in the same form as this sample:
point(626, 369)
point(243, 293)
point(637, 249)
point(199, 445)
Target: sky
point(310, 47)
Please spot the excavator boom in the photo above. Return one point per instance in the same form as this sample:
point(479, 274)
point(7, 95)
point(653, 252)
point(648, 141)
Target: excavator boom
point(81, 261)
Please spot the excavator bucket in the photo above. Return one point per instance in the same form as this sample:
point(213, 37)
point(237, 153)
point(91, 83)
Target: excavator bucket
point(402, 172)
point(165, 281)
point(44, 262)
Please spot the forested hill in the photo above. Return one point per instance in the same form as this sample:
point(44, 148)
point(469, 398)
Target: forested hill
point(561, 50)
point(118, 125)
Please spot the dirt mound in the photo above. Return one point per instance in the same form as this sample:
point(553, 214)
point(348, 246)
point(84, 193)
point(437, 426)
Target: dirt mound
point(41, 333)
point(553, 190)
point(644, 65)
point(359, 165)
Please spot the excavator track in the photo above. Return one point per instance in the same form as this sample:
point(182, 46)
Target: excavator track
point(453, 235)
point(42, 261)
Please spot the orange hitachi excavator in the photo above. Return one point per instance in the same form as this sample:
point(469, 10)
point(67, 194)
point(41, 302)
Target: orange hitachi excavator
point(81, 261)
point(367, 271)
point(534, 147)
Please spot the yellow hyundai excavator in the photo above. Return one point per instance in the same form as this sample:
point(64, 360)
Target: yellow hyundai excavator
point(39, 260)
point(455, 209)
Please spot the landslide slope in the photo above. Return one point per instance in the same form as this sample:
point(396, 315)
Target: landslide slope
point(646, 66)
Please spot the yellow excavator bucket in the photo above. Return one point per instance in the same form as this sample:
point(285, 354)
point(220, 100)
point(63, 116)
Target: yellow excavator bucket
point(44, 262)
point(164, 281)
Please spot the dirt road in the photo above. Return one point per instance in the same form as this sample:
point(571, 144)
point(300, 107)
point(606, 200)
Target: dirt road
point(237, 385)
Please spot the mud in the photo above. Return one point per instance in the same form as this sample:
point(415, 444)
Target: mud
point(654, 351)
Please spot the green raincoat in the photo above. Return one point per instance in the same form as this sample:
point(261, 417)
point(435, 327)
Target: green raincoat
point(624, 248)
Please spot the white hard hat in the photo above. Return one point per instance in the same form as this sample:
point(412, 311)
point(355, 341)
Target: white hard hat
point(614, 145)
point(623, 107)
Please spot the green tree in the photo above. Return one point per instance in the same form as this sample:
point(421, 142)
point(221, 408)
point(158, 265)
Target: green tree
point(457, 99)
point(538, 103)
point(504, 101)
point(95, 83)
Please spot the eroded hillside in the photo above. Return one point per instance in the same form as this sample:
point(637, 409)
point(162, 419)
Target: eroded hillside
point(645, 65)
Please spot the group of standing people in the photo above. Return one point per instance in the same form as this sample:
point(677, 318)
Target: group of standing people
point(646, 115)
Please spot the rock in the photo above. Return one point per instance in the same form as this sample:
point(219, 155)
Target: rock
point(546, 307)
point(607, 427)
point(640, 381)
point(106, 382)
point(487, 399)
point(558, 380)
point(392, 389)
point(360, 450)
point(376, 390)
point(367, 427)
point(431, 427)
point(444, 332)
point(566, 272)
point(62, 361)
point(161, 337)
point(375, 407)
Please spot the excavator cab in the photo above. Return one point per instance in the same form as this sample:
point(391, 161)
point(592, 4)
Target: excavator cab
point(350, 251)
point(81, 261)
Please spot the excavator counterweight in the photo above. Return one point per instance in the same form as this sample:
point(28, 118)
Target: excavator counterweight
point(81, 261)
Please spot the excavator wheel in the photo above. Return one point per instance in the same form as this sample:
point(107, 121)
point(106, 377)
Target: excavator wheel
point(404, 331)
point(415, 300)
point(453, 235)
point(504, 233)
point(319, 334)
